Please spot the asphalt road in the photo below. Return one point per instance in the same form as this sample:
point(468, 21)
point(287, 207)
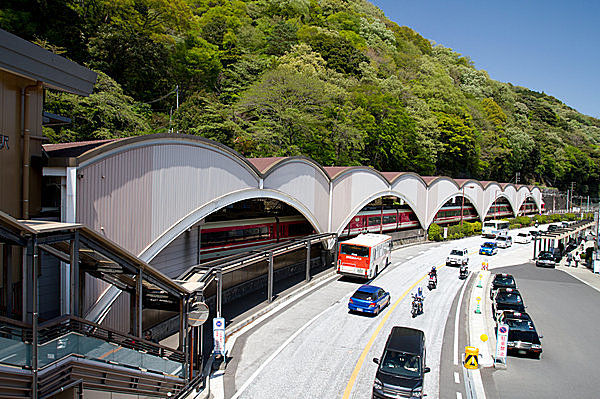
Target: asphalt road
point(316, 349)
point(567, 313)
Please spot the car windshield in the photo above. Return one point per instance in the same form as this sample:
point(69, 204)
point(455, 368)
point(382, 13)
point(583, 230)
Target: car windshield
point(365, 296)
point(522, 235)
point(546, 256)
point(354, 250)
point(488, 245)
point(501, 238)
point(508, 297)
point(520, 325)
point(504, 281)
point(456, 252)
point(401, 364)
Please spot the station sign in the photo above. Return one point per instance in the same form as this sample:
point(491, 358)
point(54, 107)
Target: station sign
point(219, 335)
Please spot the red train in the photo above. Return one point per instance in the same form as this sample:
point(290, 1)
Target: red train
point(228, 237)
point(223, 238)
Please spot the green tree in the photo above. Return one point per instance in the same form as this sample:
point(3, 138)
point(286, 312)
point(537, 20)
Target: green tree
point(106, 114)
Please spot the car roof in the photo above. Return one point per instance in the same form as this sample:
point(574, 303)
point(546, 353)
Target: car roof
point(511, 314)
point(405, 339)
point(489, 242)
point(368, 288)
point(509, 290)
point(502, 275)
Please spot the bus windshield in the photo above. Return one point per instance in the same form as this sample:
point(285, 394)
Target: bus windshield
point(354, 250)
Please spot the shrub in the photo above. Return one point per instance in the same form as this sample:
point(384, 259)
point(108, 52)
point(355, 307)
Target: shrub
point(435, 232)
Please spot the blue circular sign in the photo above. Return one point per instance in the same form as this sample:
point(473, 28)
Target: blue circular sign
point(218, 323)
point(502, 330)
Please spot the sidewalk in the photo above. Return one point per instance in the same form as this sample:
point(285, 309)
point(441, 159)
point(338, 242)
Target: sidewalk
point(582, 272)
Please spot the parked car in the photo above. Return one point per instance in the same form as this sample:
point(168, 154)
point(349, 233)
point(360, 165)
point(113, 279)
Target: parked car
point(488, 248)
point(458, 257)
point(534, 233)
point(504, 241)
point(511, 314)
point(402, 366)
point(368, 299)
point(552, 227)
point(545, 259)
point(523, 337)
point(523, 237)
point(502, 280)
point(507, 299)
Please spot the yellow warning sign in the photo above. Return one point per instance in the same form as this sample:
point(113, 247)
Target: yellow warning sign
point(471, 354)
point(471, 362)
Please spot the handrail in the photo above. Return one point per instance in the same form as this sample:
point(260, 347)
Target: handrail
point(14, 322)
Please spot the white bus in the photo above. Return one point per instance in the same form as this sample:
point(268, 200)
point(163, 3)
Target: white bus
point(494, 228)
point(364, 255)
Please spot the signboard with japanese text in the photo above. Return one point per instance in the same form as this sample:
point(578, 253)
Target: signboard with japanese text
point(502, 343)
point(219, 335)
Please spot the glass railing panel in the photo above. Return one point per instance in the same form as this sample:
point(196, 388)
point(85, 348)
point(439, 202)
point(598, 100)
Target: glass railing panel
point(97, 349)
point(13, 351)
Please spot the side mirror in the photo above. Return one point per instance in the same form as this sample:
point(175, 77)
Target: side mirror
point(375, 360)
point(540, 336)
point(426, 370)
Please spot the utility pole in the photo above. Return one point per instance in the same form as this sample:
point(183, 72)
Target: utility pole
point(517, 176)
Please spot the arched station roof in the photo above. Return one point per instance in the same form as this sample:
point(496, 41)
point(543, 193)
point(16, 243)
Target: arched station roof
point(142, 192)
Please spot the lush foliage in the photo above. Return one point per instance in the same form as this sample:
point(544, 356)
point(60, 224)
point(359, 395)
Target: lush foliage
point(334, 80)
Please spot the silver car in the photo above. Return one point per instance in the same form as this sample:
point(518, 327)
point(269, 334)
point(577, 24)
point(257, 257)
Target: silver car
point(503, 241)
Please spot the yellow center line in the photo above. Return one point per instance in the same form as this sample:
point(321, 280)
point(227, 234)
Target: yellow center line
point(365, 352)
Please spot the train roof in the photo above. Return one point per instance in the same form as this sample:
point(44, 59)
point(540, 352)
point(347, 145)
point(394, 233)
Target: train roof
point(368, 239)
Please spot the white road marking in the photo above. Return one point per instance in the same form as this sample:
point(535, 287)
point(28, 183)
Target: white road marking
point(458, 395)
point(456, 320)
point(410, 257)
point(282, 347)
point(456, 377)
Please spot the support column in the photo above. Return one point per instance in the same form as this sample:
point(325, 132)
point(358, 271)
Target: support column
point(33, 260)
point(535, 243)
point(8, 266)
point(308, 261)
point(74, 289)
point(219, 291)
point(270, 279)
point(138, 294)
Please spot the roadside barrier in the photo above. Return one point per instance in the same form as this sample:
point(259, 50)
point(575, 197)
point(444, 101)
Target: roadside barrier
point(471, 354)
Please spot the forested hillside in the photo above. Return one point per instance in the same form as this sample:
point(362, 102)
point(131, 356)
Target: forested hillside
point(334, 80)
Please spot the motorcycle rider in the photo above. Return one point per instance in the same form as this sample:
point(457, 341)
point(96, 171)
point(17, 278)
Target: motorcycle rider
point(418, 298)
point(433, 274)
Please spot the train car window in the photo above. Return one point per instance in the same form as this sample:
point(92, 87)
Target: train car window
point(389, 219)
point(374, 220)
point(213, 238)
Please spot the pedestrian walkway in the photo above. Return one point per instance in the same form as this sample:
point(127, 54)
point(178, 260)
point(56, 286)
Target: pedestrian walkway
point(582, 272)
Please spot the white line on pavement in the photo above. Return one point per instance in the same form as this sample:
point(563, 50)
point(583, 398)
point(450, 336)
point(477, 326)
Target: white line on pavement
point(458, 306)
point(282, 347)
point(458, 395)
point(456, 377)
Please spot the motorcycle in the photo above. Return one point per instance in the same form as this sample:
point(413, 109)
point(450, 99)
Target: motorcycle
point(463, 273)
point(432, 282)
point(417, 306)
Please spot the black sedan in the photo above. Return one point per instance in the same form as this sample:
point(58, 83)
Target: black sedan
point(523, 338)
point(502, 280)
point(545, 259)
point(507, 299)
